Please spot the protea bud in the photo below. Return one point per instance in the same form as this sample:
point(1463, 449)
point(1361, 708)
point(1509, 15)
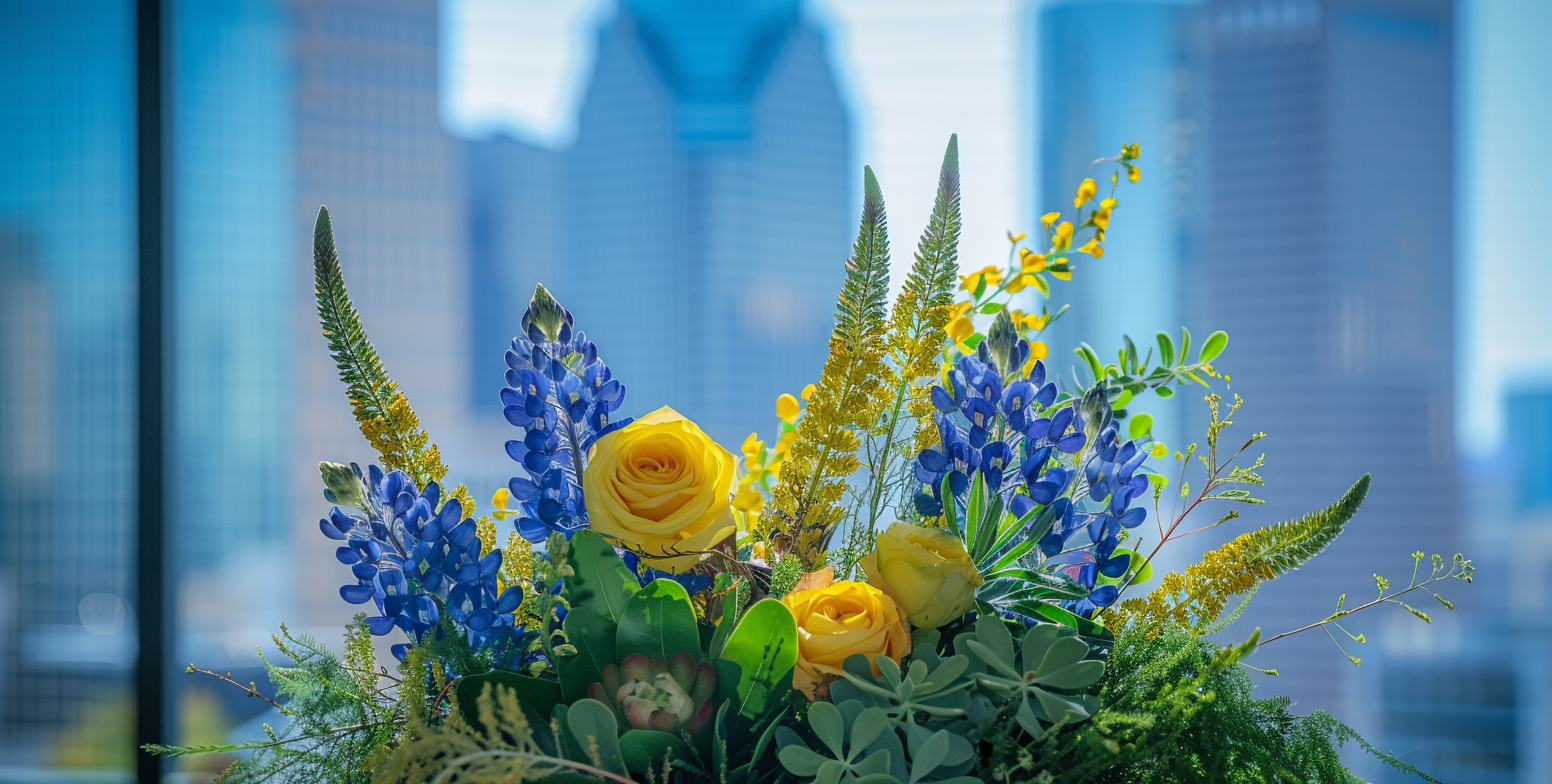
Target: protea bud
point(1001, 339)
point(653, 694)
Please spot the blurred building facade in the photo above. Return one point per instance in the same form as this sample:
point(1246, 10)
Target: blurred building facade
point(1093, 97)
point(1259, 214)
point(67, 295)
point(698, 224)
point(1339, 307)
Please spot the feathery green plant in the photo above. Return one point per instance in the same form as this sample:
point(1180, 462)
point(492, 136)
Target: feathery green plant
point(916, 336)
point(1196, 599)
point(382, 410)
point(844, 403)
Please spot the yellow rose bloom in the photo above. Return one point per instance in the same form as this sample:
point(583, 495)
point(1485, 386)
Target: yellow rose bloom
point(926, 571)
point(660, 485)
point(837, 620)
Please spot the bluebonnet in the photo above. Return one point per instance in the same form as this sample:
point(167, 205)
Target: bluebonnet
point(1113, 483)
point(693, 582)
point(1006, 436)
point(1011, 432)
point(561, 395)
point(416, 563)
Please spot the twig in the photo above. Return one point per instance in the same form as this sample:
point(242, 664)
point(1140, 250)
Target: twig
point(251, 688)
point(454, 765)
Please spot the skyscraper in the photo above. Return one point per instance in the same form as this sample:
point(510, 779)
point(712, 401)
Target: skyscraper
point(1114, 73)
point(370, 145)
point(67, 292)
point(234, 191)
point(705, 209)
point(1329, 262)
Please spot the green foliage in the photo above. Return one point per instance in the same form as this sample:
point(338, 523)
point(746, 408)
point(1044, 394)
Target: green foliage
point(930, 689)
point(764, 648)
point(340, 722)
point(1196, 599)
point(381, 409)
point(858, 743)
point(1044, 681)
point(1176, 708)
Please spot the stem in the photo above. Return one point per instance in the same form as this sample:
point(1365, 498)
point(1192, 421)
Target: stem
point(252, 692)
point(1339, 616)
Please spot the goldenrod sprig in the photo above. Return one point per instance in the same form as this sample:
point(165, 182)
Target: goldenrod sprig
point(844, 401)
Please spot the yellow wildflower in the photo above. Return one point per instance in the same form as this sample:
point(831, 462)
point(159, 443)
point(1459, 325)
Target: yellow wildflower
point(787, 408)
point(1037, 350)
point(752, 446)
point(1063, 238)
point(1131, 151)
point(991, 275)
point(1086, 191)
point(807, 393)
point(1159, 450)
point(500, 501)
point(1016, 238)
point(748, 499)
point(1050, 218)
point(1092, 247)
point(960, 328)
point(784, 443)
point(1133, 173)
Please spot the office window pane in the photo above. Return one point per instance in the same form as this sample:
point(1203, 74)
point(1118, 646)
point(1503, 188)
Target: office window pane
point(67, 295)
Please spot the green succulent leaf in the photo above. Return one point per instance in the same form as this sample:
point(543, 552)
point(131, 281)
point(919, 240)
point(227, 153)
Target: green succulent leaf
point(764, 649)
point(597, 734)
point(658, 622)
point(645, 750)
point(600, 580)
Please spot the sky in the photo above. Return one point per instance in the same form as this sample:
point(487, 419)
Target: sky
point(917, 70)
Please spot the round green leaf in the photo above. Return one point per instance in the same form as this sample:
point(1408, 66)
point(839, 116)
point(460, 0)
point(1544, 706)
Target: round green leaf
point(1141, 425)
point(658, 622)
point(1216, 343)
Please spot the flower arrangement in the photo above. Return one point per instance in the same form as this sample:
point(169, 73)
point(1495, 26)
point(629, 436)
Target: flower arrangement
point(936, 572)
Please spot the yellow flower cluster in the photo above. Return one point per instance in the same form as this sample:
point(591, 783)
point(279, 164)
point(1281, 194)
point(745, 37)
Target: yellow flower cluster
point(759, 466)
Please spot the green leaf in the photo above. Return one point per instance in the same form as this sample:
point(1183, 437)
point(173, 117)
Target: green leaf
point(644, 750)
point(1086, 353)
point(929, 756)
point(764, 648)
point(600, 581)
point(1051, 612)
point(593, 637)
point(950, 510)
point(992, 307)
point(1141, 425)
point(825, 719)
point(659, 621)
point(1216, 343)
point(1164, 392)
point(593, 726)
point(974, 509)
point(732, 610)
point(539, 695)
point(1166, 350)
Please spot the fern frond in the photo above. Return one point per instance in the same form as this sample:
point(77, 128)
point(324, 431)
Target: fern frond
point(917, 327)
point(381, 409)
point(1196, 599)
point(845, 401)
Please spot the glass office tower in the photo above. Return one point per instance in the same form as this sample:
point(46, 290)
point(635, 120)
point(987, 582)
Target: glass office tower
point(67, 296)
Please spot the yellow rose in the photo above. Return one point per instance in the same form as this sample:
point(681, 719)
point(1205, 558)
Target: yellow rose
point(926, 571)
point(838, 619)
point(660, 485)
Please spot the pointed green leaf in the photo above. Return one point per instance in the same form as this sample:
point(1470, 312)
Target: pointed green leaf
point(600, 581)
point(658, 622)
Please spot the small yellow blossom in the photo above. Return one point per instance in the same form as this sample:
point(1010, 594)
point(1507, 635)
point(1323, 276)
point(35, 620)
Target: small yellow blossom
point(1029, 321)
point(1131, 151)
point(1063, 238)
point(1037, 350)
point(990, 274)
point(1086, 191)
point(748, 499)
point(1050, 218)
point(500, 501)
point(787, 408)
point(1016, 238)
point(807, 393)
point(1133, 173)
point(1092, 247)
point(752, 445)
point(785, 443)
point(960, 328)
point(1159, 450)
